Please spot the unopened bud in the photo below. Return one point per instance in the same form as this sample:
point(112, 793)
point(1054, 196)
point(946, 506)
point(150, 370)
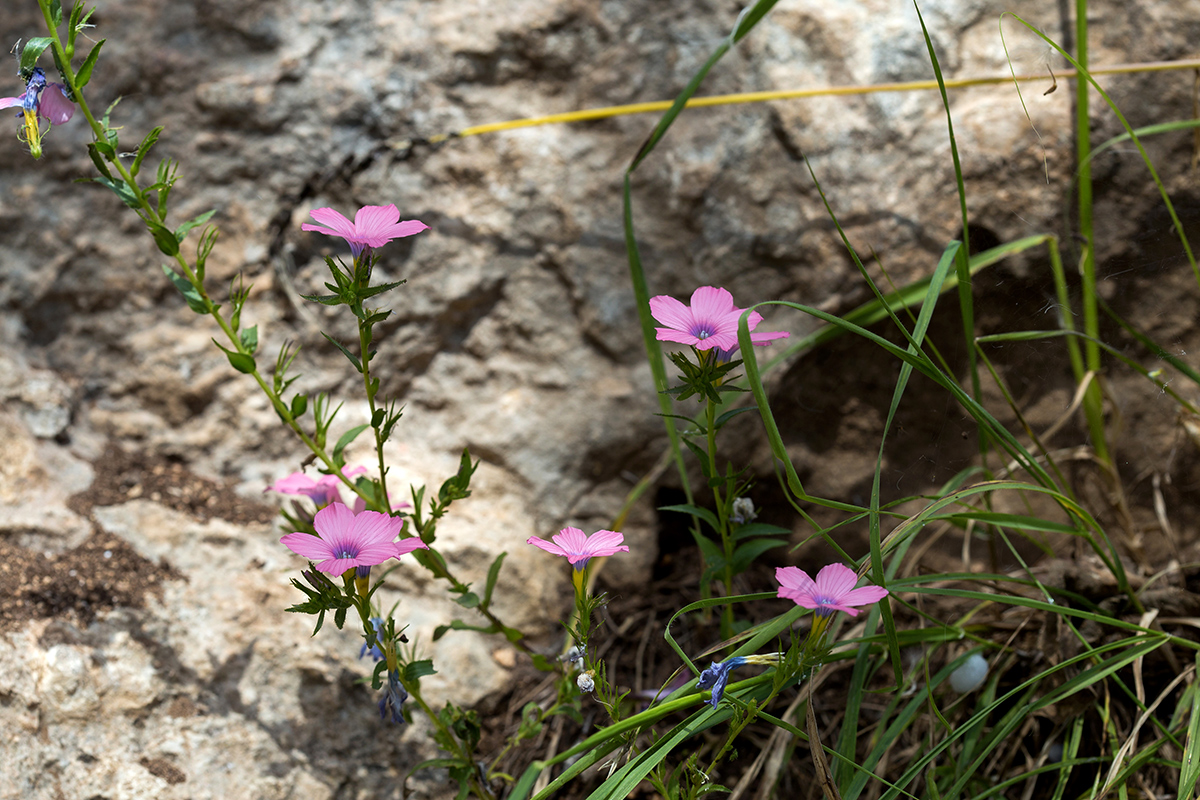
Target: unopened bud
point(586, 682)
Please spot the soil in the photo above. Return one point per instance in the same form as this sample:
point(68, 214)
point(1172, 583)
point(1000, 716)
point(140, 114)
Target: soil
point(105, 572)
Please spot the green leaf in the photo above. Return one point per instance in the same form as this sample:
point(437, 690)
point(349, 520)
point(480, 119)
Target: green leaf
point(378, 316)
point(493, 576)
point(324, 299)
point(85, 70)
point(353, 358)
point(249, 339)
point(119, 188)
point(208, 239)
point(241, 362)
point(459, 625)
point(757, 529)
point(194, 300)
point(467, 600)
point(347, 437)
point(713, 557)
point(374, 290)
point(728, 415)
point(745, 554)
point(165, 240)
point(101, 167)
point(182, 231)
point(543, 664)
point(30, 54)
point(56, 12)
point(695, 511)
point(419, 669)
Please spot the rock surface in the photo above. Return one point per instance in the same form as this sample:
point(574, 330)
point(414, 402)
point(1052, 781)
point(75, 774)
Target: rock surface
point(176, 672)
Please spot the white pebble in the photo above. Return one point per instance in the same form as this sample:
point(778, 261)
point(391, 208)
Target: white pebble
point(970, 675)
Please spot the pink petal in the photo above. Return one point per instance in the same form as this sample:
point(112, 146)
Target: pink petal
point(311, 547)
point(572, 541)
point(55, 106)
point(549, 547)
point(376, 553)
point(373, 526)
point(834, 581)
point(373, 220)
point(407, 227)
point(672, 313)
point(766, 337)
point(334, 523)
point(9, 102)
point(336, 566)
point(794, 579)
point(864, 596)
point(332, 219)
point(605, 543)
point(673, 335)
point(799, 598)
point(405, 546)
point(710, 303)
point(296, 483)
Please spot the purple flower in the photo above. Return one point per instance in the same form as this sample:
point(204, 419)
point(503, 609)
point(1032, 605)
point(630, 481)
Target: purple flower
point(376, 653)
point(577, 547)
point(346, 540)
point(393, 699)
point(717, 674)
point(373, 226)
point(711, 321)
point(48, 99)
point(833, 590)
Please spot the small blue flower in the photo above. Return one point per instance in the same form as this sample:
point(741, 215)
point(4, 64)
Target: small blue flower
point(393, 699)
point(374, 650)
point(716, 676)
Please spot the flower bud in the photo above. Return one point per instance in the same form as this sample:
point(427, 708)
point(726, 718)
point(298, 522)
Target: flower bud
point(586, 681)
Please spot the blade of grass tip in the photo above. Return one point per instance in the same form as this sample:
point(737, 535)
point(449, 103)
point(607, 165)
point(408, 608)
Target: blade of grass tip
point(966, 302)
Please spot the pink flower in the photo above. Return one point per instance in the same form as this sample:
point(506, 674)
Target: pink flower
point(577, 547)
point(40, 97)
point(346, 540)
point(833, 590)
point(373, 226)
point(710, 321)
point(322, 491)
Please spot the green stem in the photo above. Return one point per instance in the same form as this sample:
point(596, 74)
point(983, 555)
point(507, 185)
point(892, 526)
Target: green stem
point(1093, 400)
point(710, 420)
point(364, 342)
